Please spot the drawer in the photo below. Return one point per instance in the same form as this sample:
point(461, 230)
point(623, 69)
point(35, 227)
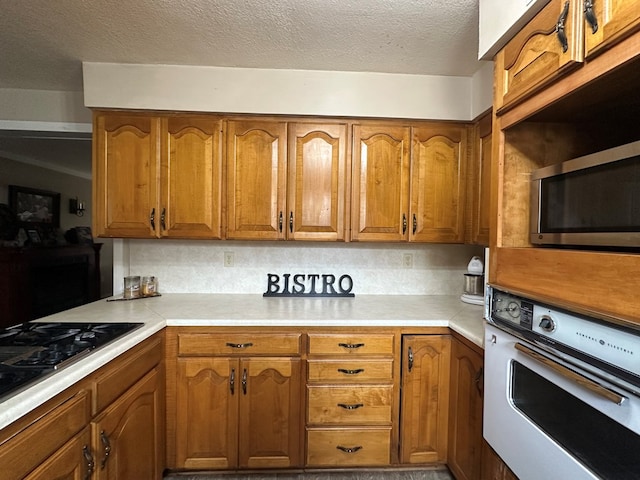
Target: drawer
point(245, 344)
point(348, 447)
point(350, 371)
point(353, 345)
point(349, 405)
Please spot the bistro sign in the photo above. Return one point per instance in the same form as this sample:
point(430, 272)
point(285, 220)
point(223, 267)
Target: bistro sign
point(308, 285)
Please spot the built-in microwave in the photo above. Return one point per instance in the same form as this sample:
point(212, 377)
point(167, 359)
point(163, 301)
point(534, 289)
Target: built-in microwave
point(592, 200)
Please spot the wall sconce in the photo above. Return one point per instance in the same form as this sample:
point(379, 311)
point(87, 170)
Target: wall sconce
point(76, 207)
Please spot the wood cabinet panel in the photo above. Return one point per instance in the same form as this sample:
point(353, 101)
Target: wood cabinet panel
point(348, 447)
point(349, 405)
point(129, 434)
point(74, 461)
point(425, 393)
point(479, 186)
point(438, 189)
point(536, 55)
point(191, 200)
point(256, 179)
point(351, 344)
point(350, 371)
point(125, 174)
point(381, 157)
point(615, 19)
point(239, 344)
point(317, 184)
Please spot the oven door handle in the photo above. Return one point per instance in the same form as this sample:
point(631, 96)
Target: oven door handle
point(571, 375)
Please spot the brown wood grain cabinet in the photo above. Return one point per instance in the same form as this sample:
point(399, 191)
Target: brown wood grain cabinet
point(70, 435)
point(614, 20)
point(275, 194)
point(157, 176)
point(238, 406)
point(425, 394)
point(478, 222)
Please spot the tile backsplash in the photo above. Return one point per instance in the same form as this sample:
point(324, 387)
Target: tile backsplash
point(199, 266)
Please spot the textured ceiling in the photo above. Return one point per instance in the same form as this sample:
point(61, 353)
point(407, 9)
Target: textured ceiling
point(43, 44)
point(45, 41)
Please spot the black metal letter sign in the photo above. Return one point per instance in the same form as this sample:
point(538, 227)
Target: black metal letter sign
point(311, 285)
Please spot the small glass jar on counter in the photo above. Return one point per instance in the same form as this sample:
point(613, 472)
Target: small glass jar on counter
point(149, 286)
point(131, 287)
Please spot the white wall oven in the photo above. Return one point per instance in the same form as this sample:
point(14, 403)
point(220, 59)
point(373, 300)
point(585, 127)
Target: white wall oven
point(562, 391)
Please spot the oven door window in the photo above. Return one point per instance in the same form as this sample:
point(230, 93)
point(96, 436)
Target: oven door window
point(604, 446)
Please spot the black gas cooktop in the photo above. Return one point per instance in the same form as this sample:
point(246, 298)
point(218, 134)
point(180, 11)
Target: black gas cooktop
point(32, 350)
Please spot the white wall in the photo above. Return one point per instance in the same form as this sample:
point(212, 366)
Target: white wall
point(43, 110)
point(289, 92)
point(197, 266)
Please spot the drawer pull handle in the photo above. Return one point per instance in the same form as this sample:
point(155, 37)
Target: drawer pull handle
point(410, 359)
point(590, 15)
point(244, 381)
point(354, 406)
point(560, 28)
point(351, 345)
point(351, 372)
point(232, 381)
point(349, 449)
point(239, 345)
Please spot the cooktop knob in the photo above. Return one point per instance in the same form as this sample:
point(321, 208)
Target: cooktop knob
point(547, 324)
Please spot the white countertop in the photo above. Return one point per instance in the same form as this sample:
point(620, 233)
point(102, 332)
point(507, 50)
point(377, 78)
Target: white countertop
point(242, 310)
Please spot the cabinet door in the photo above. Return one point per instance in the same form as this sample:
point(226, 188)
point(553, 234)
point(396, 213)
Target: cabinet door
point(539, 54)
point(129, 435)
point(256, 180)
point(191, 201)
point(74, 461)
point(480, 182)
point(207, 413)
point(125, 175)
point(614, 20)
point(270, 414)
point(317, 181)
point(438, 174)
point(380, 183)
point(425, 390)
point(465, 403)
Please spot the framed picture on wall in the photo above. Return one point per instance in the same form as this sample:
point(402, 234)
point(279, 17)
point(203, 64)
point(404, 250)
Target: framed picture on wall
point(34, 207)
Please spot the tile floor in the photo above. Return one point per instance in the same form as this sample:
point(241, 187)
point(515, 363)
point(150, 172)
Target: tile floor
point(439, 473)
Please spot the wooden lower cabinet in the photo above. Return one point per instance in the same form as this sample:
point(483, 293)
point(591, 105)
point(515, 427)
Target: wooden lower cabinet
point(238, 411)
point(108, 426)
point(425, 393)
point(128, 435)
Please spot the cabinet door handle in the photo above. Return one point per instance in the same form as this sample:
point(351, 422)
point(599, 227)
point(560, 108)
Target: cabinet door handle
point(88, 462)
point(280, 222)
point(244, 381)
point(351, 372)
point(590, 16)
point(404, 223)
point(410, 359)
point(353, 406)
point(478, 380)
point(562, 35)
point(106, 448)
point(291, 222)
point(351, 345)
point(152, 218)
point(162, 219)
point(349, 449)
point(232, 381)
point(239, 345)
point(415, 224)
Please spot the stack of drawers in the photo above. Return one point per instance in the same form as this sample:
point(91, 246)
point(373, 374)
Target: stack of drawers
point(349, 399)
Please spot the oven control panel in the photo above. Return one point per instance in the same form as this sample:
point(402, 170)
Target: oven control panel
point(511, 309)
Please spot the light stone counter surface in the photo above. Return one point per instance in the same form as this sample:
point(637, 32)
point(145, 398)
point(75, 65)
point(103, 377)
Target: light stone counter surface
point(242, 310)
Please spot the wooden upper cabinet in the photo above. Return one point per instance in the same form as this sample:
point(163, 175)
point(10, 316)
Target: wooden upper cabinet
point(479, 186)
point(190, 197)
point(317, 182)
point(157, 176)
point(256, 179)
point(125, 174)
point(540, 52)
point(380, 198)
point(438, 176)
point(614, 20)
